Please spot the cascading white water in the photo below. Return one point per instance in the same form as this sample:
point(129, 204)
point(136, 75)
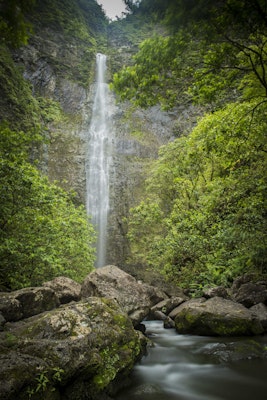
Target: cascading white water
point(184, 367)
point(99, 159)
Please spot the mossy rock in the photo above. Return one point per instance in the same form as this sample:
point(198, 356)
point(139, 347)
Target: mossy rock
point(76, 349)
point(216, 317)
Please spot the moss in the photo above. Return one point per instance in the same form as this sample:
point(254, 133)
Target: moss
point(116, 358)
point(210, 324)
point(121, 320)
point(10, 340)
point(17, 104)
point(110, 367)
point(123, 352)
point(51, 111)
point(95, 330)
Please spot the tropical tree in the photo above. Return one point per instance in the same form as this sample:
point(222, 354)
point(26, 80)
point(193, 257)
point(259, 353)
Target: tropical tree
point(204, 218)
point(209, 50)
point(43, 234)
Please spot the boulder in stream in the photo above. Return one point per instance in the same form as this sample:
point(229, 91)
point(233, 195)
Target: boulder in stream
point(216, 317)
point(134, 297)
point(72, 352)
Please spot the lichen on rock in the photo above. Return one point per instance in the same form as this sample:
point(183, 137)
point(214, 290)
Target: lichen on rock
point(72, 352)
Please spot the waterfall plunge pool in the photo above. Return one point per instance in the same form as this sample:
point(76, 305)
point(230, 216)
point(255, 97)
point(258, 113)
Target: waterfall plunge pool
point(184, 367)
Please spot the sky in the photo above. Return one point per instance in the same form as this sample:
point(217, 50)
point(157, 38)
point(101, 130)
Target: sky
point(112, 8)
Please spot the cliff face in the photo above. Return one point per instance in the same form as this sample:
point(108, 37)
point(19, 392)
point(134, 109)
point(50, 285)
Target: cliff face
point(59, 62)
point(139, 133)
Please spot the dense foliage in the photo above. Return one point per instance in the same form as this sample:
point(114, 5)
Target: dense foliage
point(14, 28)
point(202, 219)
point(43, 234)
point(43, 231)
point(209, 52)
point(17, 103)
point(80, 26)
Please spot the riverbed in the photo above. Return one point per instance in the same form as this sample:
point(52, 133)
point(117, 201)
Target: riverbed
point(185, 367)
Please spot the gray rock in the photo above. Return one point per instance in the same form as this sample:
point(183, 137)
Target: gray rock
point(246, 278)
point(26, 302)
point(10, 307)
point(260, 311)
point(216, 317)
point(250, 294)
point(154, 293)
point(176, 310)
point(66, 289)
point(159, 315)
point(235, 351)
point(18, 372)
point(80, 347)
point(218, 291)
point(168, 323)
point(35, 300)
point(2, 321)
point(134, 298)
point(167, 305)
point(147, 389)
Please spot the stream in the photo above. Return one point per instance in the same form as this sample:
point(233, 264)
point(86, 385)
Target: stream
point(184, 367)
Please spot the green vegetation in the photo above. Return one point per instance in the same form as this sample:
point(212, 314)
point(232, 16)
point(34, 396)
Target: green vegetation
point(75, 18)
point(43, 234)
point(17, 103)
point(43, 231)
point(45, 381)
point(202, 219)
point(214, 53)
point(78, 24)
point(14, 28)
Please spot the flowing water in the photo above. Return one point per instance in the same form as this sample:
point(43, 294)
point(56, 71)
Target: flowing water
point(184, 367)
point(99, 158)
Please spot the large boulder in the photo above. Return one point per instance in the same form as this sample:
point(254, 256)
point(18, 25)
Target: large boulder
point(250, 294)
point(154, 278)
point(134, 297)
point(230, 351)
point(27, 302)
point(73, 352)
point(66, 289)
point(216, 317)
point(178, 309)
point(10, 307)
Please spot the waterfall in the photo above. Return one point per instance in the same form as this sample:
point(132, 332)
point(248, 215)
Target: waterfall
point(99, 158)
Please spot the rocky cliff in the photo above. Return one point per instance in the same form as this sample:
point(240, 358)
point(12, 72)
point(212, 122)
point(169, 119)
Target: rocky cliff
point(59, 63)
